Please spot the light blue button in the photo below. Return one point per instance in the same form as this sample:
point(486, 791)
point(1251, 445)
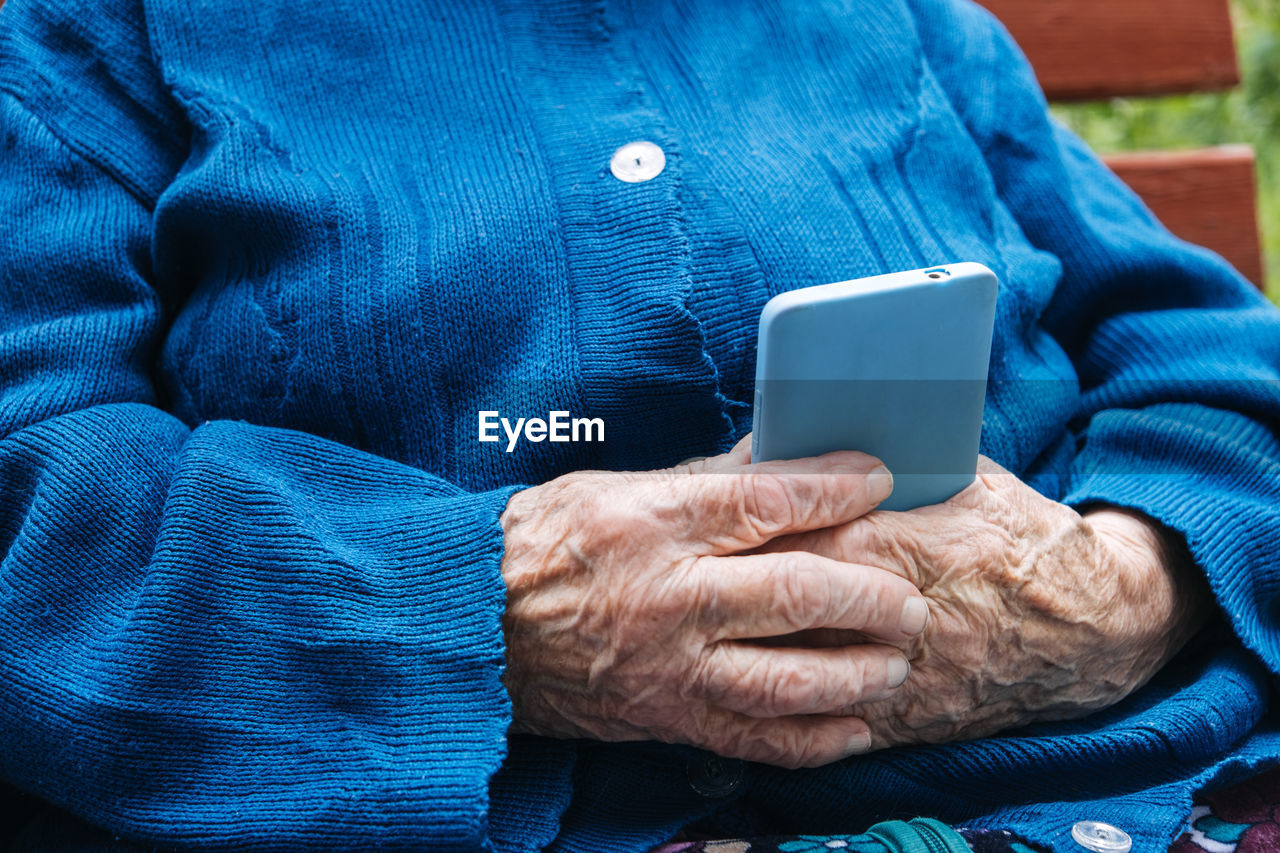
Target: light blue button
point(1101, 837)
point(637, 162)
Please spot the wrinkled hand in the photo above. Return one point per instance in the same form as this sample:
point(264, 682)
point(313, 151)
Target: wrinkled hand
point(630, 611)
point(1036, 613)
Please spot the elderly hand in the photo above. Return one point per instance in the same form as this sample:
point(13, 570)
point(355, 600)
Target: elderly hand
point(1036, 613)
point(631, 610)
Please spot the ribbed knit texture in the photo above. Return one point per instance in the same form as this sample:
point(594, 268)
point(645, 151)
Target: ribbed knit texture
point(264, 261)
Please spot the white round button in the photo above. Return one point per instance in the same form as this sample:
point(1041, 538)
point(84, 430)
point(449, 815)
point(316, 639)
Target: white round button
point(637, 161)
point(1101, 837)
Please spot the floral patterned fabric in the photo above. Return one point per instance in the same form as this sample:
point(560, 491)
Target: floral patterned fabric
point(980, 841)
point(1241, 819)
point(1244, 818)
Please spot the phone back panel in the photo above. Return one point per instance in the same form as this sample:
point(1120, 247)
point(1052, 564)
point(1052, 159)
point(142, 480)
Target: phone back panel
point(894, 366)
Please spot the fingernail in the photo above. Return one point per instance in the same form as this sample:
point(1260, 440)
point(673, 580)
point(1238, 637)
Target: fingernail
point(898, 670)
point(860, 742)
point(879, 484)
point(915, 614)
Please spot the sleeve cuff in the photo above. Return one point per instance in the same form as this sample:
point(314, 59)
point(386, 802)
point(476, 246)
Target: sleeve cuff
point(1214, 476)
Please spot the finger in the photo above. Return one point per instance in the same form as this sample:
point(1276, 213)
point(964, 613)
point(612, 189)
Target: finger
point(790, 742)
point(741, 452)
point(735, 509)
point(779, 682)
point(991, 479)
point(736, 458)
point(764, 595)
point(890, 541)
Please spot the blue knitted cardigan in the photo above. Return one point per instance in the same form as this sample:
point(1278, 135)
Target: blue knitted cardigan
point(263, 261)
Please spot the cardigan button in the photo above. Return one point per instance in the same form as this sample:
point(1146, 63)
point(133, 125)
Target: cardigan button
point(1101, 837)
point(638, 161)
point(712, 776)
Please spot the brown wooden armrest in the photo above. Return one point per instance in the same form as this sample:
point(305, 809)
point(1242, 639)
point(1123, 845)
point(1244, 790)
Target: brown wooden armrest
point(1206, 196)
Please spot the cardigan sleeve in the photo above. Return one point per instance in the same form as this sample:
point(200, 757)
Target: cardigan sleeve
point(225, 635)
point(1178, 358)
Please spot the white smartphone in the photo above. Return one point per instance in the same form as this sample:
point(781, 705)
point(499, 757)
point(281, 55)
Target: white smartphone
point(894, 365)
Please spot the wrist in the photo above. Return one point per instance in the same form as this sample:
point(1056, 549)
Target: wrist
point(519, 574)
point(1166, 596)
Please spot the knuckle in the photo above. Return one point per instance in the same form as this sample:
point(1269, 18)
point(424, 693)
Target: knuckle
point(791, 688)
point(754, 744)
point(796, 748)
point(802, 590)
point(885, 540)
point(766, 503)
point(871, 674)
point(869, 604)
point(863, 677)
point(695, 582)
point(787, 746)
point(731, 741)
point(706, 677)
point(611, 517)
point(734, 681)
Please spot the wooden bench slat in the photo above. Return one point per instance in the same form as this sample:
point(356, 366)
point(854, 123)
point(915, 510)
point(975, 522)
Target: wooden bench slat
point(1083, 49)
point(1206, 196)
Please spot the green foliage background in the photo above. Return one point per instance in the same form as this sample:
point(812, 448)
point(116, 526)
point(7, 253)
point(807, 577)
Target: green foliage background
point(1249, 114)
